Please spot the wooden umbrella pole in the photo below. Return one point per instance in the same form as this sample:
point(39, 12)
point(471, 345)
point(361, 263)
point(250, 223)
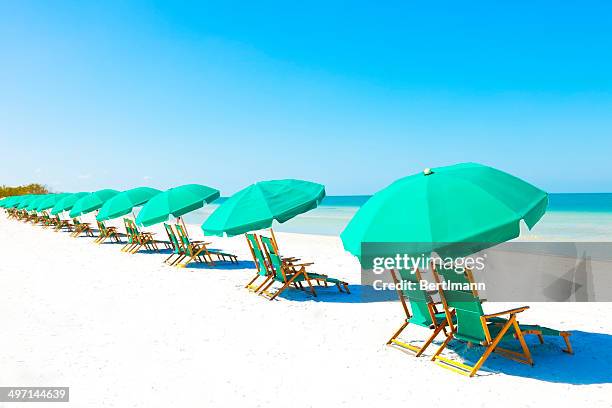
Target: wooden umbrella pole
point(182, 221)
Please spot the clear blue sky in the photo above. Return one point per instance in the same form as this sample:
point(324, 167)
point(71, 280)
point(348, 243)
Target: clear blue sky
point(353, 95)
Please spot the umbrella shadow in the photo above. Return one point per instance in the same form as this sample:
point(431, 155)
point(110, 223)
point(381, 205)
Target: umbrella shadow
point(241, 264)
point(331, 294)
point(590, 363)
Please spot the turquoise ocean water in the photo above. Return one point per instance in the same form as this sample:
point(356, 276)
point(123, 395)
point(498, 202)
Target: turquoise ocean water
point(570, 217)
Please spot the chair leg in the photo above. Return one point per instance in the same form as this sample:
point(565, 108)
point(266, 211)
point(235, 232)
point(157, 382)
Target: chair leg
point(397, 332)
point(284, 286)
point(565, 336)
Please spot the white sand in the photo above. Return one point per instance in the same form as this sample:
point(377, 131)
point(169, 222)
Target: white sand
point(128, 331)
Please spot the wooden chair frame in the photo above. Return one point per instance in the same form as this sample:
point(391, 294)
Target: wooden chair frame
point(491, 344)
point(437, 326)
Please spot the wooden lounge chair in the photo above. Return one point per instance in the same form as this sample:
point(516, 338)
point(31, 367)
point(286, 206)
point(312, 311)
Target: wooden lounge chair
point(176, 247)
point(288, 273)
point(106, 233)
point(80, 227)
point(263, 270)
point(137, 239)
point(199, 251)
point(44, 219)
point(425, 311)
point(60, 224)
point(473, 326)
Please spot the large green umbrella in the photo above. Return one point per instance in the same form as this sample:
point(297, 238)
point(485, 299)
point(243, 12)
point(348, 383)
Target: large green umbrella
point(50, 201)
point(176, 201)
point(258, 205)
point(92, 202)
point(456, 210)
point(33, 205)
point(66, 203)
point(123, 203)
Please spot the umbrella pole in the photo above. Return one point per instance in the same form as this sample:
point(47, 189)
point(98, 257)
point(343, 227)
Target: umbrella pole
point(274, 240)
point(184, 226)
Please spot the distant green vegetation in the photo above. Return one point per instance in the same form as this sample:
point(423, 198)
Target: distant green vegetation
point(33, 188)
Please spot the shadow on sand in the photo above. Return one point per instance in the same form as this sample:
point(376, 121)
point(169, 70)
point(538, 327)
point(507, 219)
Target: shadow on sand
point(330, 294)
point(242, 264)
point(590, 363)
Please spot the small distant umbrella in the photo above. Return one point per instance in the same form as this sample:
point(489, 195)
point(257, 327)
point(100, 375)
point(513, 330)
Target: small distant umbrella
point(7, 202)
point(92, 202)
point(124, 202)
point(258, 205)
point(457, 210)
point(50, 201)
point(26, 201)
point(33, 205)
point(66, 203)
point(176, 201)
point(15, 201)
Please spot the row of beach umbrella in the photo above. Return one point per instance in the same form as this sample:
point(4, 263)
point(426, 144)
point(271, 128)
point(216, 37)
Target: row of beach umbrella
point(254, 207)
point(467, 206)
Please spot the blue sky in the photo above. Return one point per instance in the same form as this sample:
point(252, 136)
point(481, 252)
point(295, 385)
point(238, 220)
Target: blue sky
point(350, 94)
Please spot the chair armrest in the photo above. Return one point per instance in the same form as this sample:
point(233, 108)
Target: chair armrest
point(511, 311)
point(302, 264)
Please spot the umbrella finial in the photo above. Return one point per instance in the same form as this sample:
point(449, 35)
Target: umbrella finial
point(427, 171)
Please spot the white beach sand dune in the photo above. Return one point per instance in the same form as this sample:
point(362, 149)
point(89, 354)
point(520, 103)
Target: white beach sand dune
point(128, 331)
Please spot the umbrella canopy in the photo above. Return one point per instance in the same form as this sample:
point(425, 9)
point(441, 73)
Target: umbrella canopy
point(92, 202)
point(66, 203)
point(460, 208)
point(33, 205)
point(50, 201)
point(176, 201)
point(258, 205)
point(123, 203)
point(14, 201)
point(26, 201)
point(6, 201)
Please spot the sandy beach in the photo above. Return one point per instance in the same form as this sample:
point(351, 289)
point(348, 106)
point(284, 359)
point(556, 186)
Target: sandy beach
point(128, 331)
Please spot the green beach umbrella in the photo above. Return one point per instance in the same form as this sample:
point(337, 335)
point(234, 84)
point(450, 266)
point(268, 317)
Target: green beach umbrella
point(176, 201)
point(16, 200)
point(26, 201)
point(92, 202)
point(66, 203)
point(122, 203)
point(460, 208)
point(258, 205)
point(50, 201)
point(6, 201)
point(33, 205)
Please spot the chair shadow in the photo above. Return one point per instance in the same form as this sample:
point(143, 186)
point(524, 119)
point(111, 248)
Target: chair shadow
point(242, 264)
point(590, 363)
point(331, 294)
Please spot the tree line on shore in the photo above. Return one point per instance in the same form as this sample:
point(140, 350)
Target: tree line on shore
point(33, 188)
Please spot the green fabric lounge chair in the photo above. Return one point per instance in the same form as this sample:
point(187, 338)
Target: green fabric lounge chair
point(199, 251)
point(137, 239)
point(61, 224)
point(80, 227)
point(423, 310)
point(288, 273)
point(44, 219)
point(260, 264)
point(106, 233)
point(132, 239)
point(176, 247)
point(473, 326)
